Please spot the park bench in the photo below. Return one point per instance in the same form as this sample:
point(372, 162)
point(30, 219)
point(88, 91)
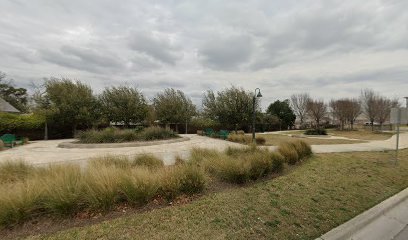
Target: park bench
point(209, 132)
point(10, 140)
point(223, 134)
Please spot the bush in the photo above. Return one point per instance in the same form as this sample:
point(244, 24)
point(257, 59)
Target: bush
point(148, 161)
point(288, 151)
point(277, 162)
point(1, 145)
point(302, 148)
point(317, 131)
point(115, 135)
point(245, 139)
point(139, 187)
point(63, 189)
point(186, 178)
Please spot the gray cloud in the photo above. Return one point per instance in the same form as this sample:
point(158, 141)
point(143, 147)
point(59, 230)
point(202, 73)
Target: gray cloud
point(328, 47)
point(228, 53)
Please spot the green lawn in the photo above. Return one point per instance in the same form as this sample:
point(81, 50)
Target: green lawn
point(308, 201)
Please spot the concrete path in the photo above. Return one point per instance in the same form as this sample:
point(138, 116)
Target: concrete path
point(44, 152)
point(386, 221)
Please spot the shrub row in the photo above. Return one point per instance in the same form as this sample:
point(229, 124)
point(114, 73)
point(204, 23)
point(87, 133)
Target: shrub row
point(245, 139)
point(317, 131)
point(115, 135)
point(66, 189)
point(63, 190)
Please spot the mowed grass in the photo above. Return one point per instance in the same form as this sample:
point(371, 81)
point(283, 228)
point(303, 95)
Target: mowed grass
point(361, 134)
point(309, 200)
point(276, 139)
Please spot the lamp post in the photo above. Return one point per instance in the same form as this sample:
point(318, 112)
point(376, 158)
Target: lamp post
point(406, 104)
point(259, 95)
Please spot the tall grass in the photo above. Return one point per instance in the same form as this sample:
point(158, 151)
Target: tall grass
point(63, 190)
point(12, 171)
point(115, 135)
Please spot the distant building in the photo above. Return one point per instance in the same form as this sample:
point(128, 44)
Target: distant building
point(7, 107)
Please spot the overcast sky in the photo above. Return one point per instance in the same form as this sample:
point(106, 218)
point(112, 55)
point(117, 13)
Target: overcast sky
point(330, 49)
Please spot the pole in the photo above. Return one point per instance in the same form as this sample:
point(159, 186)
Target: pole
point(398, 133)
point(253, 119)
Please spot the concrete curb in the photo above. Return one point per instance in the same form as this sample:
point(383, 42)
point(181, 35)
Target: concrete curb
point(120, 145)
point(346, 230)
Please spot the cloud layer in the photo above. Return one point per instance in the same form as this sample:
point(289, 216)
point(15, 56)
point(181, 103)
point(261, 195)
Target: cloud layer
point(330, 48)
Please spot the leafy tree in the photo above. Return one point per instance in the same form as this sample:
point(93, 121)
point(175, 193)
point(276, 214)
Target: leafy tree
point(283, 112)
point(173, 106)
point(17, 97)
point(230, 107)
point(73, 102)
point(123, 104)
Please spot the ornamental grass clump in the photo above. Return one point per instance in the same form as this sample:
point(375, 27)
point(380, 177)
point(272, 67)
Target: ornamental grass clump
point(148, 161)
point(289, 152)
point(139, 186)
point(12, 171)
point(116, 135)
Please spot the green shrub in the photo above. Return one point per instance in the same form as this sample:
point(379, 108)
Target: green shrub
point(317, 131)
point(148, 161)
point(156, 133)
point(115, 135)
point(288, 151)
point(12, 171)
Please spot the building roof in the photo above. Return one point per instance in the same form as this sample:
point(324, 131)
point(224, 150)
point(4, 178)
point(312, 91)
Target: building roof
point(7, 107)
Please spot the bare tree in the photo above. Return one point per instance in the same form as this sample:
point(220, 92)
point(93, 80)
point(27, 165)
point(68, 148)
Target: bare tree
point(353, 111)
point(369, 99)
point(316, 109)
point(383, 108)
point(298, 103)
point(339, 110)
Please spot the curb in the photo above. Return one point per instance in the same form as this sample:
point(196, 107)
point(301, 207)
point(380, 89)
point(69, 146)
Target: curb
point(120, 145)
point(346, 230)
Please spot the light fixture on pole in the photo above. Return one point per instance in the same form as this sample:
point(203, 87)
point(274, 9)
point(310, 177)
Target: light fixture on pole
point(259, 95)
point(406, 104)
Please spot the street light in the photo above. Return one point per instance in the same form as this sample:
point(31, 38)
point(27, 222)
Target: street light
point(259, 95)
point(406, 104)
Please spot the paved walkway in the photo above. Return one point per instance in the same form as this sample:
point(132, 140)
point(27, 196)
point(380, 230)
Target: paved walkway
point(43, 152)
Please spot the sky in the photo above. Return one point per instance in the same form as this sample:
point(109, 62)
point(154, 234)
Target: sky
point(328, 48)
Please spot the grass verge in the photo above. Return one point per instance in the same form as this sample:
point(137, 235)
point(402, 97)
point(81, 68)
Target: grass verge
point(317, 196)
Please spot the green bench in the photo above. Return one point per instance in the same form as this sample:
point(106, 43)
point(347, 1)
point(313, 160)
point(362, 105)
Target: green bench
point(223, 134)
point(10, 140)
point(209, 132)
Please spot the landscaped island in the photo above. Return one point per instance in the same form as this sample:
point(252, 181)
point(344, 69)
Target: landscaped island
point(115, 135)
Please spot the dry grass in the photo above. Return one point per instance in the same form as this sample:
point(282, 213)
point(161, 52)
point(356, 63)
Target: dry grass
point(361, 134)
point(317, 196)
point(276, 139)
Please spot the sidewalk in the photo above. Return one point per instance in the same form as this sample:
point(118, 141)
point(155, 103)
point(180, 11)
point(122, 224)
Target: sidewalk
point(385, 221)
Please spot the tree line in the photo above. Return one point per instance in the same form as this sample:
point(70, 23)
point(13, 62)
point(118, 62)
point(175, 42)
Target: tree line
point(68, 105)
